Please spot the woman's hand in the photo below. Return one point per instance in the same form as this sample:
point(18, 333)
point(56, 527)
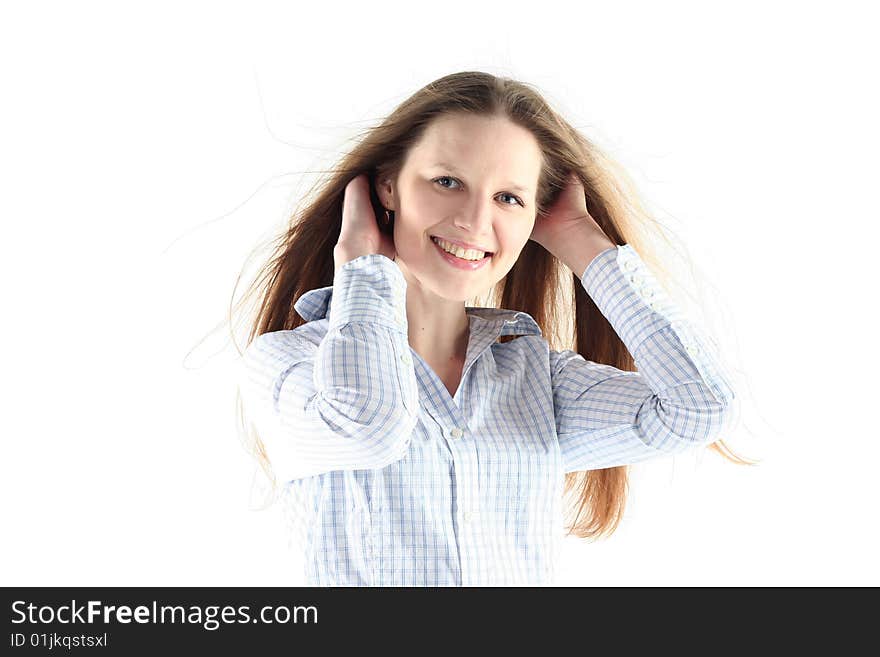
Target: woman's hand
point(360, 234)
point(566, 220)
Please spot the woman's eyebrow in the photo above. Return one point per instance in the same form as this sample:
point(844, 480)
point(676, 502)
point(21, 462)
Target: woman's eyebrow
point(517, 187)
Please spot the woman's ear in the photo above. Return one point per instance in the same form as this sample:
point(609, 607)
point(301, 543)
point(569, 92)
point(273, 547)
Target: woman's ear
point(385, 192)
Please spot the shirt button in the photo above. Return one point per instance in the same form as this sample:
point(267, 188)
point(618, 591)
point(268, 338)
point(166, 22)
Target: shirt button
point(468, 516)
point(691, 349)
point(455, 432)
point(405, 358)
point(629, 265)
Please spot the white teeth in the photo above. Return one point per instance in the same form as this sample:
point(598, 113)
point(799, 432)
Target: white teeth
point(465, 254)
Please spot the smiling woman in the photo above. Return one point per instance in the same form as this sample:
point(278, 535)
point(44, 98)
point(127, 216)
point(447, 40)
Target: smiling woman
point(423, 441)
point(476, 210)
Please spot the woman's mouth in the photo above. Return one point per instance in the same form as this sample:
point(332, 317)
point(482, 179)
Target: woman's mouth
point(460, 263)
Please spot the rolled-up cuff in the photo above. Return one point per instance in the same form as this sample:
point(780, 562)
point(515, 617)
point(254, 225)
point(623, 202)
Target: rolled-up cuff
point(370, 288)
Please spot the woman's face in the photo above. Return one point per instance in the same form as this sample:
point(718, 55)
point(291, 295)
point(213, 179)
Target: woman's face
point(470, 179)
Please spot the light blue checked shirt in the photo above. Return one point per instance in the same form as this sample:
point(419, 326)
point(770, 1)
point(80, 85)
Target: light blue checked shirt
point(393, 482)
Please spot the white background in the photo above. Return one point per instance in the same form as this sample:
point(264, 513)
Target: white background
point(146, 149)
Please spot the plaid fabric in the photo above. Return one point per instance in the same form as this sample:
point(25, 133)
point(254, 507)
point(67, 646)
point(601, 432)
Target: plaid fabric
point(391, 481)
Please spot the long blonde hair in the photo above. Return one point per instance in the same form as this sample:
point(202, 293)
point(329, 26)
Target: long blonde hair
point(538, 283)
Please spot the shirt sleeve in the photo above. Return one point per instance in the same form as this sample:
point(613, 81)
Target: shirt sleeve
point(349, 402)
point(678, 399)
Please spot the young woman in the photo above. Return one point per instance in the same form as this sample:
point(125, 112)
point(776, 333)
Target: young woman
point(424, 442)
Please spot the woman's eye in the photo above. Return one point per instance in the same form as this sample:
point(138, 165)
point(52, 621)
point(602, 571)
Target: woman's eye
point(443, 178)
point(517, 201)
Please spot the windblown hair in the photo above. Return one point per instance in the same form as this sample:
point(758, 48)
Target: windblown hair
point(538, 283)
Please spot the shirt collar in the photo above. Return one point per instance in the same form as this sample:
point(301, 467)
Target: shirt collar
point(315, 304)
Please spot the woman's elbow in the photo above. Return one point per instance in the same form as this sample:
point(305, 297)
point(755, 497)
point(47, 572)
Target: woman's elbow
point(374, 440)
point(692, 425)
point(709, 423)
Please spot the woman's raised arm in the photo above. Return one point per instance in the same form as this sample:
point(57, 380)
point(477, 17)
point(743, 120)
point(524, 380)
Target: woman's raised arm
point(678, 399)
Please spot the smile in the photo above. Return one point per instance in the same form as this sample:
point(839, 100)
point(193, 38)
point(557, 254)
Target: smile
point(461, 263)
